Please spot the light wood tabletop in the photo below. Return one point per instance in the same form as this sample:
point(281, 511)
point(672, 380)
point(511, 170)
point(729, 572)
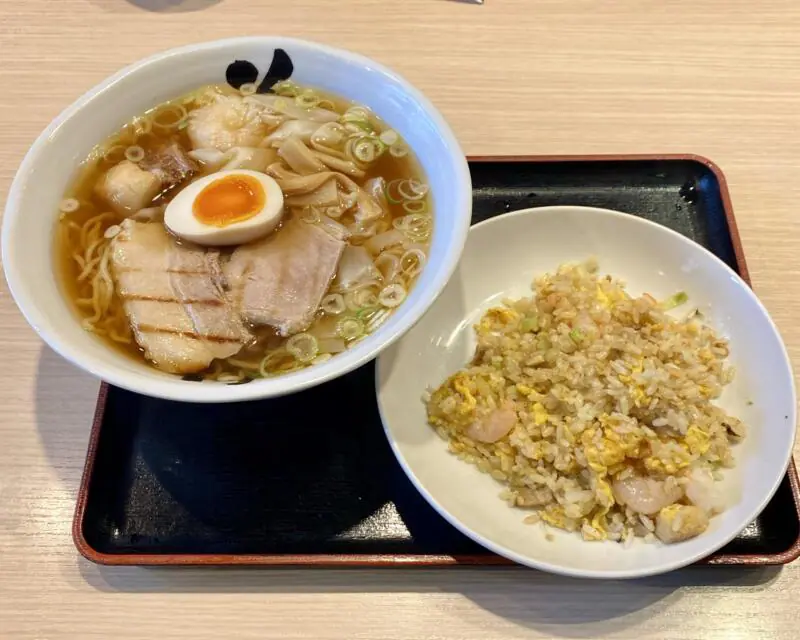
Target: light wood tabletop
point(713, 77)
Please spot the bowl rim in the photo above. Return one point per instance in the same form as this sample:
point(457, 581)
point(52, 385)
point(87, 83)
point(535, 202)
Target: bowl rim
point(165, 386)
point(615, 574)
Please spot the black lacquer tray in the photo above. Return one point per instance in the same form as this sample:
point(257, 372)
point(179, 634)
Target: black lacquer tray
point(279, 482)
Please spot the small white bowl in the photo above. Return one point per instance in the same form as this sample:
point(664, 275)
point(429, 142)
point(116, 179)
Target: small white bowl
point(501, 258)
point(51, 164)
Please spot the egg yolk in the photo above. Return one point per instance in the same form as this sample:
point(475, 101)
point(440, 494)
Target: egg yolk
point(229, 200)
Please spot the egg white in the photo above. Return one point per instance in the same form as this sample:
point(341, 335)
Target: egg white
point(180, 219)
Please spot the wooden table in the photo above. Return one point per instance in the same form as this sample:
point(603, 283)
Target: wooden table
point(714, 77)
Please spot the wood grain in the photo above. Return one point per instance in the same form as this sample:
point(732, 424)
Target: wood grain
point(551, 77)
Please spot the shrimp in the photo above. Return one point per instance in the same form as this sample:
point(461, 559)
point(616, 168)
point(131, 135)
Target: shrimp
point(703, 492)
point(494, 426)
point(646, 495)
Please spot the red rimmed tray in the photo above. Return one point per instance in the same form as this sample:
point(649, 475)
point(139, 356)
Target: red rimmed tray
point(175, 484)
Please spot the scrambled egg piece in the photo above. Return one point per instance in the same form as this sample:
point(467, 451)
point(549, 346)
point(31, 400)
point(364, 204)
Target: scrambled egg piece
point(705, 391)
point(459, 382)
point(705, 355)
point(602, 460)
point(537, 451)
point(601, 456)
point(607, 299)
point(603, 299)
point(565, 433)
point(540, 414)
point(554, 516)
point(503, 314)
point(456, 388)
point(588, 436)
point(668, 464)
point(698, 441)
point(629, 442)
point(607, 457)
point(605, 500)
point(569, 466)
point(604, 495)
point(636, 390)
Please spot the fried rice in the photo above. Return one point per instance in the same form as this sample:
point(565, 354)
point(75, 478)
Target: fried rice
point(594, 409)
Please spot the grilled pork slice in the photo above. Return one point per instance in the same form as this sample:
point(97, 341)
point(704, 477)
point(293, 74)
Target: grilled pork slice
point(280, 281)
point(174, 299)
point(170, 164)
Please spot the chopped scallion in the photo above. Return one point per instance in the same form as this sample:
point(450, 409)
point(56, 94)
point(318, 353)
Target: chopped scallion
point(530, 323)
point(675, 301)
point(362, 313)
point(350, 328)
point(392, 295)
point(303, 346)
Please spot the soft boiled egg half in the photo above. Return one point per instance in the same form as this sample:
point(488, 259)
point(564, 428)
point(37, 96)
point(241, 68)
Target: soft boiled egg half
point(226, 208)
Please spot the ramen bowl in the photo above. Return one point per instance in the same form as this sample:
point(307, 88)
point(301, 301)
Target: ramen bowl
point(501, 259)
point(51, 165)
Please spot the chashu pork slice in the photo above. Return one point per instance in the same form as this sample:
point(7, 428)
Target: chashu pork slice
point(174, 300)
point(280, 281)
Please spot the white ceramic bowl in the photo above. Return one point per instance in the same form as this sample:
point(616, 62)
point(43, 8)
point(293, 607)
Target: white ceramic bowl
point(51, 164)
point(501, 258)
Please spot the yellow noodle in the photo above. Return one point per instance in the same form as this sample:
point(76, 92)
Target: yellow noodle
point(90, 260)
point(243, 364)
point(114, 154)
point(272, 358)
point(103, 313)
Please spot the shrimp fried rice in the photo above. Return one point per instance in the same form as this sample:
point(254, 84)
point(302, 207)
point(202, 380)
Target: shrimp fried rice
point(594, 409)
